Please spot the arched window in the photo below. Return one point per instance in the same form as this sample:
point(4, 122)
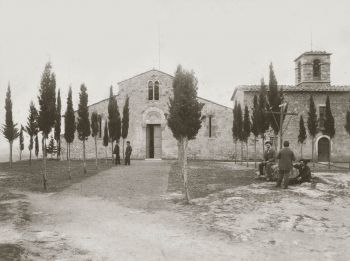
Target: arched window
point(299, 72)
point(317, 69)
point(156, 90)
point(150, 90)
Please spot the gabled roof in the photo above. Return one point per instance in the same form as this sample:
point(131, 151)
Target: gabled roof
point(152, 70)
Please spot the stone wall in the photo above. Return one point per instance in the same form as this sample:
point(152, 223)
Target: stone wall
point(144, 111)
point(299, 102)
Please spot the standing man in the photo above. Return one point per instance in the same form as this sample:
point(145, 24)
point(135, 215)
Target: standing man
point(117, 154)
point(285, 163)
point(128, 151)
point(269, 160)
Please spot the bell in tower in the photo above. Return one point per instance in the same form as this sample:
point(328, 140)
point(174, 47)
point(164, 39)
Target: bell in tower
point(313, 68)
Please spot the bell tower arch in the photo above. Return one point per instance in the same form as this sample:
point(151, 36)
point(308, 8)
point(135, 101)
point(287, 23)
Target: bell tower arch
point(313, 68)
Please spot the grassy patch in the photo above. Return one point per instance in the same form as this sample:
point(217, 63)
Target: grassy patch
point(29, 177)
point(206, 177)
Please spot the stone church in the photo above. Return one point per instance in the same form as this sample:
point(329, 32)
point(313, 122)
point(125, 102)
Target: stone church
point(312, 77)
point(150, 137)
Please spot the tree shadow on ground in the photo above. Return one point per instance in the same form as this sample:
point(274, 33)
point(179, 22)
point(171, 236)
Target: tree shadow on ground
point(207, 177)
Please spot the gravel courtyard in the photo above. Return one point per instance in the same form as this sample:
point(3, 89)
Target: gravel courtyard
point(129, 213)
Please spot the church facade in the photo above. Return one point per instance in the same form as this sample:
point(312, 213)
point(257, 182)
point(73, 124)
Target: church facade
point(312, 78)
point(149, 134)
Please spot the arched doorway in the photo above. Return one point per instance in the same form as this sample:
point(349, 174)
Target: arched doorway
point(323, 149)
point(153, 120)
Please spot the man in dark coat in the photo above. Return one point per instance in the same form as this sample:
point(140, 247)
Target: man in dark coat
point(285, 163)
point(269, 160)
point(117, 154)
point(128, 151)
point(304, 174)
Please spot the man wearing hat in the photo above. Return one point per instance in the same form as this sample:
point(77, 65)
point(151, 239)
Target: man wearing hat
point(269, 160)
point(304, 174)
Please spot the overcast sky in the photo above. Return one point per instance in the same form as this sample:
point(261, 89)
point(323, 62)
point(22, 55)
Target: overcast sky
point(101, 42)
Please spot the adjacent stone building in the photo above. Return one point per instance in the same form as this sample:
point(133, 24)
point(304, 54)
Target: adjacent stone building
point(149, 134)
point(312, 77)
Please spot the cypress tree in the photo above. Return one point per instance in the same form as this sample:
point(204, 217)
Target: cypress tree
point(83, 126)
point(239, 122)
point(58, 124)
point(347, 125)
point(69, 127)
point(32, 128)
point(274, 101)
point(184, 118)
point(94, 131)
point(9, 129)
point(106, 138)
point(246, 129)
point(125, 121)
point(51, 149)
point(263, 122)
point(312, 124)
point(329, 128)
point(235, 129)
point(255, 123)
point(302, 134)
point(36, 146)
point(112, 118)
point(21, 142)
point(47, 111)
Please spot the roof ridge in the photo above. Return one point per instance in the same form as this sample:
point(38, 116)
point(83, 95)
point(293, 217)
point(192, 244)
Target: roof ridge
point(139, 74)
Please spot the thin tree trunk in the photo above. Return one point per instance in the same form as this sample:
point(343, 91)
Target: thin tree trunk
point(11, 154)
point(30, 157)
point(59, 149)
point(96, 152)
point(235, 151)
point(263, 143)
point(20, 154)
point(247, 153)
point(84, 162)
point(329, 156)
point(254, 152)
point(44, 170)
point(301, 151)
point(112, 151)
point(184, 168)
point(68, 156)
point(123, 149)
point(241, 152)
point(106, 148)
point(312, 151)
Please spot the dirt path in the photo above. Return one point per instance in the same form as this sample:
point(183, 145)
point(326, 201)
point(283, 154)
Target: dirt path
point(125, 213)
point(120, 214)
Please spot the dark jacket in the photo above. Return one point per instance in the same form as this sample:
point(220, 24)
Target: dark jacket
point(286, 158)
point(116, 150)
point(304, 173)
point(270, 155)
point(128, 151)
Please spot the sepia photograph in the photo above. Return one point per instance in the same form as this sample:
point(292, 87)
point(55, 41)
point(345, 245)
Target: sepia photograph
point(199, 130)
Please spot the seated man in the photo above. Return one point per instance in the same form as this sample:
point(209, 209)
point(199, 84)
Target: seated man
point(304, 174)
point(269, 160)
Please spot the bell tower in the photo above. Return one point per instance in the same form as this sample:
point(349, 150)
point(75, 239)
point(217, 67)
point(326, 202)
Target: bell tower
point(313, 68)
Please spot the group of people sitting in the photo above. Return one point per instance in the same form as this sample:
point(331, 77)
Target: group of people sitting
point(282, 170)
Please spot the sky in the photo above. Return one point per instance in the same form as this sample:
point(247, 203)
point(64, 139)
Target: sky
point(101, 42)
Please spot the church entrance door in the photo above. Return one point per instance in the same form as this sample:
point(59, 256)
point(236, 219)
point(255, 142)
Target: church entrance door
point(153, 141)
point(323, 149)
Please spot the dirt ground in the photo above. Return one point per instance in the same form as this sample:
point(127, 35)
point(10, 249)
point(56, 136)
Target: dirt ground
point(128, 213)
